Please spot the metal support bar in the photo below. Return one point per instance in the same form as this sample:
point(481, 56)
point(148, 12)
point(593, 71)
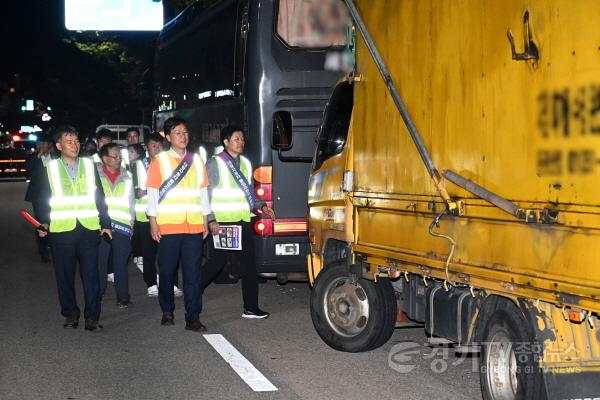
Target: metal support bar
point(412, 129)
point(485, 194)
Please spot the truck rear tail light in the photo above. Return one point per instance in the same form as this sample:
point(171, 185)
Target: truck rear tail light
point(264, 191)
point(263, 227)
point(263, 174)
point(288, 226)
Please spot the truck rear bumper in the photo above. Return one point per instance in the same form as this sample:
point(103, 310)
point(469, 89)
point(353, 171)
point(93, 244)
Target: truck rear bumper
point(277, 253)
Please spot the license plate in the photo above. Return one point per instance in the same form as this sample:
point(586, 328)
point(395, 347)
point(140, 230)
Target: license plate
point(287, 249)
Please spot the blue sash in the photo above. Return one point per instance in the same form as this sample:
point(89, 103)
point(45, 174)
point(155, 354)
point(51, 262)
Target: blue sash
point(239, 177)
point(176, 176)
point(146, 162)
point(120, 228)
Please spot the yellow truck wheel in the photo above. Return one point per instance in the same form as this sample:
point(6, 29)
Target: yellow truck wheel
point(350, 316)
point(509, 369)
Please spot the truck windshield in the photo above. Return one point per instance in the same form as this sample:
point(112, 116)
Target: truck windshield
point(312, 23)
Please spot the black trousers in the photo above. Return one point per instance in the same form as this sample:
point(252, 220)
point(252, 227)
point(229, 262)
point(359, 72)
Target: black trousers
point(217, 259)
point(68, 249)
point(186, 249)
point(147, 248)
point(43, 243)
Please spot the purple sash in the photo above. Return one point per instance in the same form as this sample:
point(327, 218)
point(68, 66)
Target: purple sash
point(239, 177)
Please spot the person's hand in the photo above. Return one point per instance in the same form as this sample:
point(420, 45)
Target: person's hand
point(106, 232)
point(139, 193)
point(155, 230)
point(268, 211)
point(43, 233)
point(214, 227)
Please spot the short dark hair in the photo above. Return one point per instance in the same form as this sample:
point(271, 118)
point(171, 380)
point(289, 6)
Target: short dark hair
point(133, 129)
point(104, 133)
point(228, 131)
point(62, 130)
point(104, 149)
point(172, 123)
point(138, 148)
point(155, 137)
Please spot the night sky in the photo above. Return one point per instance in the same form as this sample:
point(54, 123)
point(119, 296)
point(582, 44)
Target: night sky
point(81, 90)
point(30, 29)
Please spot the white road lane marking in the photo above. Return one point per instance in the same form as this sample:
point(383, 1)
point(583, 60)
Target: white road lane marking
point(244, 368)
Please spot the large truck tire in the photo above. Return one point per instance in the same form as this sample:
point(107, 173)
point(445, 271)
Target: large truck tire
point(352, 317)
point(508, 362)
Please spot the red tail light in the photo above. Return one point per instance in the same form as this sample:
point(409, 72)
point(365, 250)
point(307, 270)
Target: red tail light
point(264, 191)
point(287, 226)
point(263, 227)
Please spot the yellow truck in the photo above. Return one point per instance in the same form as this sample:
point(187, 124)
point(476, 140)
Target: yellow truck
point(455, 185)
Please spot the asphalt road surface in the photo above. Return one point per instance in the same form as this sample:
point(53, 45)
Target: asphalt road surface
point(134, 357)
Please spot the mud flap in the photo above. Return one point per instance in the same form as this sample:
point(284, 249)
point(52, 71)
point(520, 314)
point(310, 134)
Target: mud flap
point(570, 386)
point(569, 372)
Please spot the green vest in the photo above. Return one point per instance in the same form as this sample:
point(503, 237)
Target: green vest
point(117, 199)
point(72, 201)
point(141, 204)
point(228, 202)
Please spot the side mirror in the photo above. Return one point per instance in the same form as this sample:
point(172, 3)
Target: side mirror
point(281, 137)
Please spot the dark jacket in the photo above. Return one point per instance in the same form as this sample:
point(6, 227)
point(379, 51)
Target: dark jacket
point(38, 179)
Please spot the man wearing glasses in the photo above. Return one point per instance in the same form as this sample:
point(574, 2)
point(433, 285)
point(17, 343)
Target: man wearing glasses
point(118, 190)
point(75, 215)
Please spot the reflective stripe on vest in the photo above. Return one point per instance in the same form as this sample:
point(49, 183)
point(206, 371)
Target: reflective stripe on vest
point(72, 201)
point(141, 204)
point(183, 201)
point(202, 153)
point(117, 199)
point(228, 201)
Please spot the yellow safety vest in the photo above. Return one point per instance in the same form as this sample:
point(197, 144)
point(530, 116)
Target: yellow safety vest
point(183, 201)
point(72, 201)
point(228, 202)
point(117, 198)
point(141, 204)
point(202, 153)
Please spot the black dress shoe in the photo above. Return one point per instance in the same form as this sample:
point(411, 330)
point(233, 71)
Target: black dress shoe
point(92, 325)
point(195, 326)
point(167, 319)
point(71, 322)
point(124, 303)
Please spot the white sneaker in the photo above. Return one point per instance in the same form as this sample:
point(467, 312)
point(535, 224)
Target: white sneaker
point(110, 277)
point(153, 291)
point(135, 260)
point(178, 292)
point(140, 263)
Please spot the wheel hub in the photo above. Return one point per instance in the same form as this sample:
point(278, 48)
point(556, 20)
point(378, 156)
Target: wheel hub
point(346, 307)
point(501, 364)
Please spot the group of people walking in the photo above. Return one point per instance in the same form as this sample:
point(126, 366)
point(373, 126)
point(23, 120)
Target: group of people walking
point(170, 201)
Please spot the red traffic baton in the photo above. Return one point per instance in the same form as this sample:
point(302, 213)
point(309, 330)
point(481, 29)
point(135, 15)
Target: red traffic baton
point(36, 224)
